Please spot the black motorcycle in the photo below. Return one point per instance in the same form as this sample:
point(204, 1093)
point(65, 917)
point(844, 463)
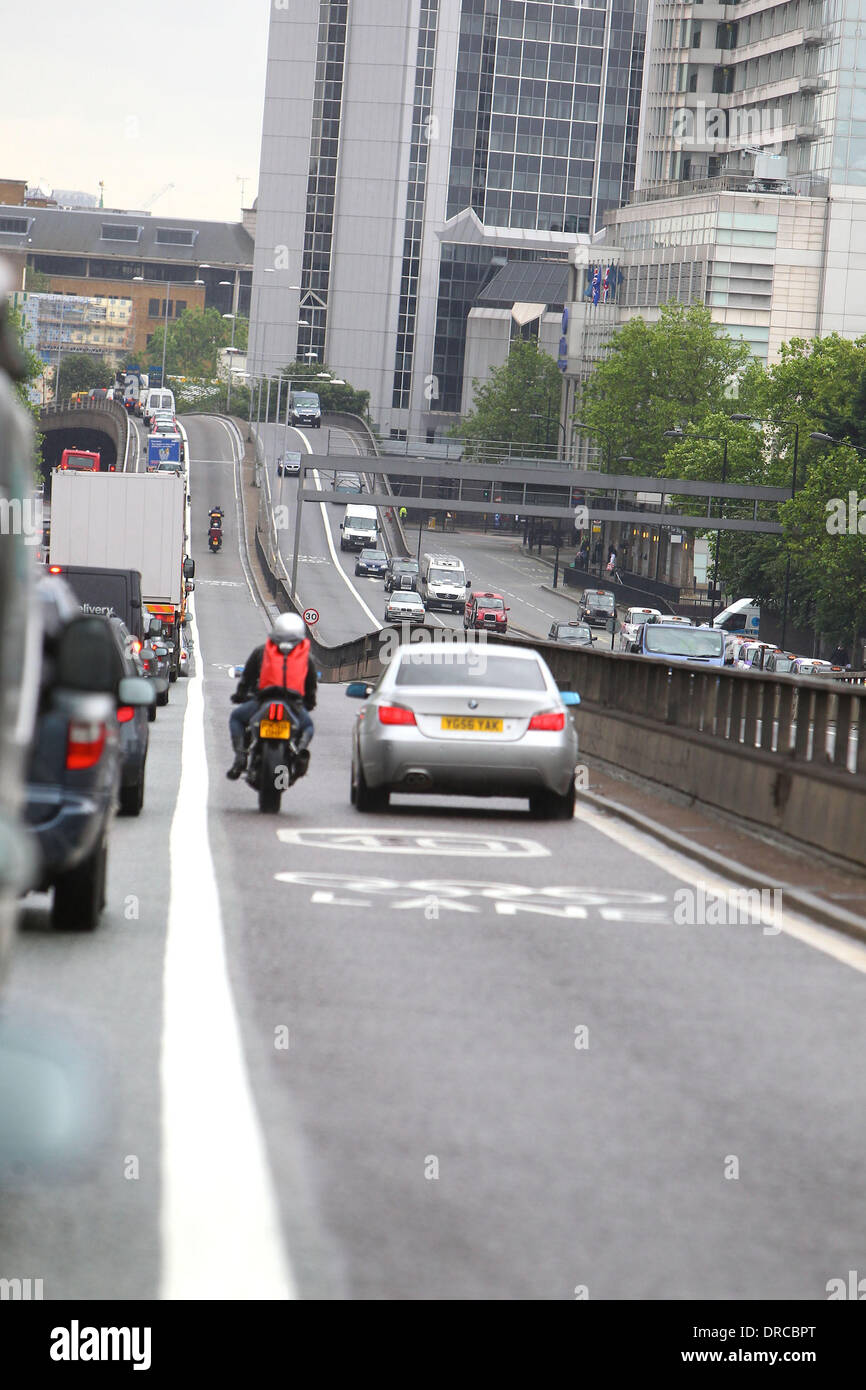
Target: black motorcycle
point(272, 737)
point(214, 539)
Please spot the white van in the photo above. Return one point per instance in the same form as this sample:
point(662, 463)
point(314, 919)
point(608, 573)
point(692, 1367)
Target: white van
point(743, 616)
point(443, 582)
point(157, 398)
point(359, 528)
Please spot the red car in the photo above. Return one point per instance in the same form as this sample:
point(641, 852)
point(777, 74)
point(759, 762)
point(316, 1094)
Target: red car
point(486, 611)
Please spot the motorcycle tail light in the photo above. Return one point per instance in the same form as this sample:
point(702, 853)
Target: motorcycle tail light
point(552, 722)
point(84, 745)
point(275, 713)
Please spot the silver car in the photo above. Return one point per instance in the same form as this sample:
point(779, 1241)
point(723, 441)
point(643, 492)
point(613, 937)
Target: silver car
point(404, 606)
point(465, 719)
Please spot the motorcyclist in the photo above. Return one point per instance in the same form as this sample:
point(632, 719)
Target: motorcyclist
point(279, 664)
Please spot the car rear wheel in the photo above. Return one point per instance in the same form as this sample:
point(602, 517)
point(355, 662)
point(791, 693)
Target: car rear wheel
point(162, 697)
point(79, 896)
point(551, 806)
point(132, 798)
point(151, 714)
point(366, 798)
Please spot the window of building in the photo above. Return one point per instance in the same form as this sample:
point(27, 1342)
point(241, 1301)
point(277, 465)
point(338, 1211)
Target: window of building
point(153, 308)
point(119, 231)
point(16, 226)
point(176, 236)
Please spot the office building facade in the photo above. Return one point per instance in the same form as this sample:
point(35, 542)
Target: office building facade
point(408, 153)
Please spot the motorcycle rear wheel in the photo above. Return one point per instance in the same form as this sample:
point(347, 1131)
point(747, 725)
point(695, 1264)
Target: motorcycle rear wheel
point(270, 794)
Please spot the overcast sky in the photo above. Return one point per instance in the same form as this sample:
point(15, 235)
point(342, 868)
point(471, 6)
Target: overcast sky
point(140, 96)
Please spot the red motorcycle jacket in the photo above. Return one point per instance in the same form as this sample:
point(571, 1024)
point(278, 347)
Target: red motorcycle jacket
point(289, 670)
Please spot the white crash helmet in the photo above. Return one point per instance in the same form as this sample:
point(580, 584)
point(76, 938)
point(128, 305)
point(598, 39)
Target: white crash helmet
point(288, 630)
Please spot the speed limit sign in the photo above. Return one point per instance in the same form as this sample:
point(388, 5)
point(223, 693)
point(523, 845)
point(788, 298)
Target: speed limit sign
point(311, 616)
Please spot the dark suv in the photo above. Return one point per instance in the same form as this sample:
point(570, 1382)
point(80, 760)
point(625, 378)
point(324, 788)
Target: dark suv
point(74, 779)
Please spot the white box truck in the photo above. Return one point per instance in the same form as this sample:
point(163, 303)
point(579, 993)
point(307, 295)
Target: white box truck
point(128, 521)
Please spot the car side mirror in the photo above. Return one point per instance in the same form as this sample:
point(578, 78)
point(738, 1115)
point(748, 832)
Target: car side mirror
point(358, 690)
point(570, 697)
point(469, 583)
point(235, 672)
point(136, 691)
point(190, 585)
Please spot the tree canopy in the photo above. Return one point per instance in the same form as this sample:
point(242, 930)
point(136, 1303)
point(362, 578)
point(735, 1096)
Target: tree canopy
point(657, 376)
point(194, 341)
point(79, 371)
point(519, 404)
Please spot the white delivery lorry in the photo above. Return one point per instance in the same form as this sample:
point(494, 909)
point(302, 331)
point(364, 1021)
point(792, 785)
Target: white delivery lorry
point(136, 523)
point(359, 529)
point(443, 582)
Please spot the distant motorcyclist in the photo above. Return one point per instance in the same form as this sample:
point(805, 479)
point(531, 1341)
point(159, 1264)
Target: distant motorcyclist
point(282, 663)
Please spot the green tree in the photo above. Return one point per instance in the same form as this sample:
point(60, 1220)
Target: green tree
point(656, 376)
point(194, 340)
point(25, 368)
point(81, 372)
point(825, 530)
point(519, 404)
point(38, 282)
point(334, 399)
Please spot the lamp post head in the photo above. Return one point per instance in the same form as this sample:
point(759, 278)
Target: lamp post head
point(675, 433)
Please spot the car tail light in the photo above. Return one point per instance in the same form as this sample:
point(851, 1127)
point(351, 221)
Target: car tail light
point(146, 663)
point(54, 569)
point(124, 714)
point(553, 722)
point(275, 713)
point(84, 745)
point(395, 714)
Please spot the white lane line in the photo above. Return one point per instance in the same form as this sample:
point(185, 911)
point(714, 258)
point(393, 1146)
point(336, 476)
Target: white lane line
point(334, 556)
point(219, 1217)
point(831, 943)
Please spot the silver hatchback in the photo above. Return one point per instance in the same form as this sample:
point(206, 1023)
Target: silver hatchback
point(465, 719)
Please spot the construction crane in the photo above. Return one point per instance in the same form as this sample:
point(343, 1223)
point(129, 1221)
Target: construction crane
point(146, 207)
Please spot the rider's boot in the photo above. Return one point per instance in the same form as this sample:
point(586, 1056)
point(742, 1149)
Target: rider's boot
point(240, 762)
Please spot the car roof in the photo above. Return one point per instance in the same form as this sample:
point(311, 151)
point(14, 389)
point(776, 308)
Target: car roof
point(487, 593)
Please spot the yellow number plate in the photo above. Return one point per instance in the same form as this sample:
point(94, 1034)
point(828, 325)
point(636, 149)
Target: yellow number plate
point(473, 725)
point(281, 730)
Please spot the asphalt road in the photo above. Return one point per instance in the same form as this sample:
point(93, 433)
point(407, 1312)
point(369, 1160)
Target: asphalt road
point(443, 1052)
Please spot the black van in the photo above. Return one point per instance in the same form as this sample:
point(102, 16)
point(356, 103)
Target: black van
point(107, 593)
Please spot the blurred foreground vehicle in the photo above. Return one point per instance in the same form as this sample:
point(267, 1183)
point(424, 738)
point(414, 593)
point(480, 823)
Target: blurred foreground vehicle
point(19, 635)
point(76, 771)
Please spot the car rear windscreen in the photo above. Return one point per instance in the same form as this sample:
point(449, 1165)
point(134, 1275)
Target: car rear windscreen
point(478, 667)
point(683, 641)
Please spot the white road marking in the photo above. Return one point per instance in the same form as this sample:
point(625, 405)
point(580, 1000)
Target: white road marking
point(336, 559)
point(409, 842)
point(831, 943)
point(219, 1218)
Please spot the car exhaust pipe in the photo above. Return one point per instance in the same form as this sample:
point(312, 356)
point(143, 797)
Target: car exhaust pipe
point(417, 780)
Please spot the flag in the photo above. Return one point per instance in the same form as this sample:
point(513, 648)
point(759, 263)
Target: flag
point(596, 283)
point(606, 285)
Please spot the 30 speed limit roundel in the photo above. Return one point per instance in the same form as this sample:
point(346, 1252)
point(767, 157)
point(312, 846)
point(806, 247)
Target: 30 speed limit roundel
point(311, 616)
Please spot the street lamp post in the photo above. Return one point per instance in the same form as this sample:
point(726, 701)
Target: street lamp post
point(59, 350)
point(231, 363)
point(608, 451)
